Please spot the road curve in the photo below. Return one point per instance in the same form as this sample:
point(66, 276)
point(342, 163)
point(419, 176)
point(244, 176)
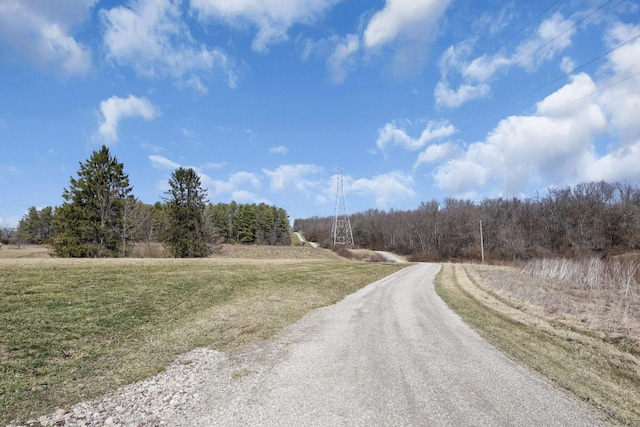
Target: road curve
point(304, 240)
point(391, 354)
point(391, 257)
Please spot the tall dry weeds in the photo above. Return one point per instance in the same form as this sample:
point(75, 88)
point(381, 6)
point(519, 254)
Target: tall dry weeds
point(604, 294)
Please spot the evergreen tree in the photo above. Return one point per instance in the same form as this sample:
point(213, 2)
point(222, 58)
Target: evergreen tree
point(187, 232)
point(89, 222)
point(245, 221)
point(280, 235)
point(36, 226)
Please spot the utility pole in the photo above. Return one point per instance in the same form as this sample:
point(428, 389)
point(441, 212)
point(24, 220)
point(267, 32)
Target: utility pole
point(341, 230)
point(481, 243)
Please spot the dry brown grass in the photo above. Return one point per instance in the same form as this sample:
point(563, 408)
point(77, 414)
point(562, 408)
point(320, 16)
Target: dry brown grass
point(592, 294)
point(273, 252)
point(363, 255)
point(24, 251)
point(534, 322)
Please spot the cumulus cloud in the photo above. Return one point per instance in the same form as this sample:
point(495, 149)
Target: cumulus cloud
point(300, 177)
point(586, 130)
point(151, 37)
point(392, 134)
point(161, 162)
point(273, 19)
point(474, 76)
point(410, 19)
point(242, 178)
point(409, 24)
point(42, 31)
point(553, 145)
point(622, 96)
point(342, 59)
point(237, 187)
point(405, 27)
point(453, 98)
point(280, 149)
point(386, 188)
point(554, 35)
point(435, 152)
point(115, 109)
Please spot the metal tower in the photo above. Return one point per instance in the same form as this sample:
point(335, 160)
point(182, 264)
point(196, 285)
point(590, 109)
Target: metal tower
point(341, 229)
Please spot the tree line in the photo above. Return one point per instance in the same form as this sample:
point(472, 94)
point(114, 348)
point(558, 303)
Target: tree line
point(101, 218)
point(590, 218)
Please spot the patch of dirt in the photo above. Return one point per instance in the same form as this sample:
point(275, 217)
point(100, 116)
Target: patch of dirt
point(4, 353)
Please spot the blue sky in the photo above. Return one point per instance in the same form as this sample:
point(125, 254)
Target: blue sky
point(415, 99)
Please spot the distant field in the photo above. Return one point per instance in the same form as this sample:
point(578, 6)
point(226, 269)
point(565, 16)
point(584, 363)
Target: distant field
point(25, 251)
point(72, 329)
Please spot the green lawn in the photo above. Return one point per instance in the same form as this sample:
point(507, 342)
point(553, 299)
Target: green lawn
point(73, 329)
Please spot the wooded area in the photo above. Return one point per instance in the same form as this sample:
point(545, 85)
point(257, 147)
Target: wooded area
point(101, 218)
point(591, 218)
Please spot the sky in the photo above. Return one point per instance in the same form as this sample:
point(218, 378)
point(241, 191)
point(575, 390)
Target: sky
point(413, 100)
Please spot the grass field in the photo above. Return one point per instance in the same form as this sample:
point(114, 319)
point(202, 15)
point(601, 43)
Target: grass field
point(72, 329)
point(599, 366)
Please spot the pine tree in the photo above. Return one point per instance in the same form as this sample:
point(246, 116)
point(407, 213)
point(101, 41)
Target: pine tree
point(187, 233)
point(89, 222)
point(36, 225)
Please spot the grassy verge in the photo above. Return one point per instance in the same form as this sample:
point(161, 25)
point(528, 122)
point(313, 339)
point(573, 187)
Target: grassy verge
point(576, 360)
point(71, 330)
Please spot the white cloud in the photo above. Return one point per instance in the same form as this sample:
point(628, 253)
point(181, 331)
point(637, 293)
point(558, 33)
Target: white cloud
point(620, 165)
point(241, 178)
point(115, 109)
point(151, 37)
point(213, 165)
point(586, 130)
point(161, 162)
point(435, 152)
point(236, 187)
point(447, 97)
point(273, 19)
point(409, 24)
point(42, 31)
point(294, 176)
point(280, 149)
point(391, 134)
point(411, 19)
point(483, 68)
point(567, 65)
point(242, 196)
point(552, 37)
point(621, 99)
point(495, 22)
point(387, 188)
point(342, 59)
point(554, 145)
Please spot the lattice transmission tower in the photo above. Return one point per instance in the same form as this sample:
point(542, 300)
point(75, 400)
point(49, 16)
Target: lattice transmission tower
point(341, 229)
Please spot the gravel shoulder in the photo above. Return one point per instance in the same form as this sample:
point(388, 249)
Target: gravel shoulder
point(389, 354)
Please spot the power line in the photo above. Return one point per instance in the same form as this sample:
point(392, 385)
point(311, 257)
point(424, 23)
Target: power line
point(570, 28)
point(591, 61)
point(533, 20)
point(600, 89)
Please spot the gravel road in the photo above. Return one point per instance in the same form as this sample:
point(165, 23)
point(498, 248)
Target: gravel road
point(392, 257)
point(391, 354)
